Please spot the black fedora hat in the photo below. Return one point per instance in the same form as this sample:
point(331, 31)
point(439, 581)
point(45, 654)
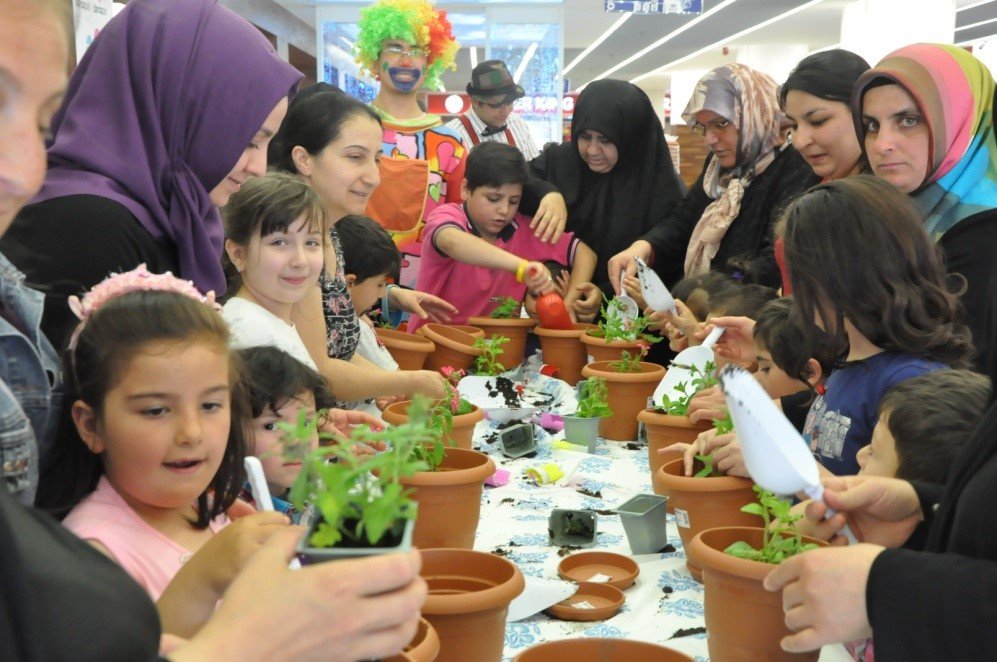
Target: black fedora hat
point(491, 78)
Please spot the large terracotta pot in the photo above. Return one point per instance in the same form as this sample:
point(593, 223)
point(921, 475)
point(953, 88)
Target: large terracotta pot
point(743, 620)
point(454, 347)
point(628, 394)
point(424, 647)
point(460, 434)
point(600, 350)
point(470, 330)
point(594, 649)
point(563, 349)
point(663, 431)
point(515, 329)
point(469, 596)
point(705, 503)
point(450, 499)
point(407, 349)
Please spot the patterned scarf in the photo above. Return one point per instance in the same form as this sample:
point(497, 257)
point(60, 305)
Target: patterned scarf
point(954, 92)
point(749, 100)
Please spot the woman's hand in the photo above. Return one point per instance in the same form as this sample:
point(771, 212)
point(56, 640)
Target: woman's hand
point(884, 511)
point(425, 305)
point(823, 595)
point(584, 301)
point(737, 344)
point(625, 261)
point(550, 219)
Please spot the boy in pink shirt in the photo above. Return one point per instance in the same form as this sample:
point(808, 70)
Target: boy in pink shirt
point(483, 249)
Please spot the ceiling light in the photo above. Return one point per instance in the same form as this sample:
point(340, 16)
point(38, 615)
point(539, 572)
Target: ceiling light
point(473, 52)
point(975, 4)
point(595, 44)
point(976, 25)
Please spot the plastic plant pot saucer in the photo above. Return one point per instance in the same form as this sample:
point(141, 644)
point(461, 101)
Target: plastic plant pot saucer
point(591, 602)
point(601, 567)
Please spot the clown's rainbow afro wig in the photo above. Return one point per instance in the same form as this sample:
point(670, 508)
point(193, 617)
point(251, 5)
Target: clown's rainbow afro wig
point(414, 21)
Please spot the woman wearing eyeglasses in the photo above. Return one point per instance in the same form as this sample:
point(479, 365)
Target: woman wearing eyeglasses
point(725, 221)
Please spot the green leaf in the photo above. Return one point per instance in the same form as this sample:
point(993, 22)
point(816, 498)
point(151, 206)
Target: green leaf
point(753, 509)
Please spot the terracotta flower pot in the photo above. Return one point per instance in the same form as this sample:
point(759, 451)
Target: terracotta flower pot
point(743, 620)
point(663, 431)
point(425, 646)
point(469, 596)
point(705, 503)
point(563, 349)
point(450, 499)
point(594, 649)
point(515, 329)
point(628, 394)
point(600, 350)
point(454, 347)
point(470, 330)
point(407, 349)
point(463, 426)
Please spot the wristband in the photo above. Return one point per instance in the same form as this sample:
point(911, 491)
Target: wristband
point(521, 271)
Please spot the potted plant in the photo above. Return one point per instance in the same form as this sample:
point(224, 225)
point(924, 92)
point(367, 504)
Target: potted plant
point(505, 320)
point(583, 427)
point(489, 361)
point(644, 521)
point(743, 620)
point(631, 382)
point(563, 349)
point(616, 333)
point(360, 505)
point(454, 346)
point(574, 528)
point(454, 416)
point(469, 596)
point(409, 350)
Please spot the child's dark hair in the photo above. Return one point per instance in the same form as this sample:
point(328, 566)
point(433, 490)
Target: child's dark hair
point(780, 331)
point(741, 300)
point(829, 75)
point(264, 205)
point(111, 338)
point(273, 377)
point(856, 249)
point(697, 292)
point(368, 249)
point(931, 417)
point(495, 164)
point(314, 119)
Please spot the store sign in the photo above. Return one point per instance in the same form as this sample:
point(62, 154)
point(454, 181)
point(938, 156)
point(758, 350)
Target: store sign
point(654, 6)
point(89, 18)
point(536, 105)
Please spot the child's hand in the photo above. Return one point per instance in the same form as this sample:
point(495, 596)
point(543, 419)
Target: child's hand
point(678, 328)
point(387, 401)
point(427, 382)
point(707, 405)
point(223, 557)
point(632, 287)
point(737, 344)
point(561, 283)
point(537, 278)
point(584, 301)
point(427, 306)
point(340, 423)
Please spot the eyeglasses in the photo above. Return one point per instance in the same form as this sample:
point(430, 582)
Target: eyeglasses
point(496, 106)
point(717, 127)
point(396, 51)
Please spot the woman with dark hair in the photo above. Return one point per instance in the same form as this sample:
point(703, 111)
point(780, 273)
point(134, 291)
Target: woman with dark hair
point(925, 117)
point(616, 174)
point(169, 112)
point(725, 221)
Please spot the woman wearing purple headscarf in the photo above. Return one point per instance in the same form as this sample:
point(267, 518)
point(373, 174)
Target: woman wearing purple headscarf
point(170, 110)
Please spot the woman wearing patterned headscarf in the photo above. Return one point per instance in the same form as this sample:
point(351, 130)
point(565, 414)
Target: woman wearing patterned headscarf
point(725, 222)
point(170, 110)
point(925, 118)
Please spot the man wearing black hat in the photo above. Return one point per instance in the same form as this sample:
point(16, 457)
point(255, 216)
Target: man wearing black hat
point(492, 91)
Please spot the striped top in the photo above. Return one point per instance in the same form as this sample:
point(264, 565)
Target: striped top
point(516, 125)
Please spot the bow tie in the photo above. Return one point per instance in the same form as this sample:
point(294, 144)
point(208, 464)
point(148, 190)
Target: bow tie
point(491, 130)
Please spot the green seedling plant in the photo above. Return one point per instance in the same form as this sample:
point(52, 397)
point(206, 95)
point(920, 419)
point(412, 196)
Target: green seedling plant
point(507, 308)
point(702, 379)
point(487, 362)
point(629, 362)
point(723, 425)
point(594, 399)
point(360, 498)
point(614, 326)
point(780, 539)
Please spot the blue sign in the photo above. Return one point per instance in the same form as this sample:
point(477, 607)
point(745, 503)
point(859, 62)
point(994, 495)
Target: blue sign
point(654, 6)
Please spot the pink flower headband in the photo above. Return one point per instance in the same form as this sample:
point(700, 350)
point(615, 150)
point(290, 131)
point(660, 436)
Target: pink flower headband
point(136, 280)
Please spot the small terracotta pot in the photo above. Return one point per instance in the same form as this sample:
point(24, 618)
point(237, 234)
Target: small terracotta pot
point(450, 499)
point(407, 349)
point(563, 349)
point(454, 347)
point(600, 350)
point(469, 596)
point(424, 647)
point(743, 620)
point(705, 503)
point(460, 434)
point(594, 649)
point(628, 394)
point(515, 329)
point(663, 431)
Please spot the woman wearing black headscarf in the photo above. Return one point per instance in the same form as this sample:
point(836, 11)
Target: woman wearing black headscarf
point(616, 174)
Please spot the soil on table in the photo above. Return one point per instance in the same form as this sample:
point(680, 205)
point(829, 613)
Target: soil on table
point(511, 393)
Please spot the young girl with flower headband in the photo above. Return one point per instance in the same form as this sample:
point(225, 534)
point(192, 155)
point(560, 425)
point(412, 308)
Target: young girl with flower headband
point(151, 459)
